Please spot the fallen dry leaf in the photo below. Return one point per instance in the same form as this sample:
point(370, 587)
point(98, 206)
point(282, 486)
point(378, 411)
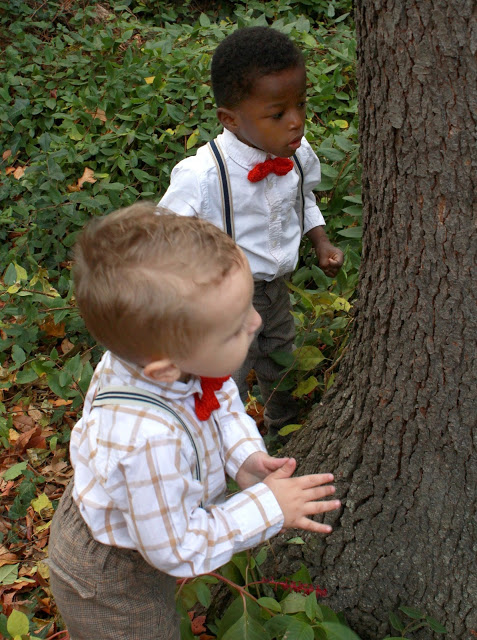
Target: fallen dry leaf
point(66, 346)
point(18, 173)
point(86, 177)
point(53, 329)
point(6, 154)
point(100, 115)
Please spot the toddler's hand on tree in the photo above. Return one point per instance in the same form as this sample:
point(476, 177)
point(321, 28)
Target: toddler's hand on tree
point(302, 497)
point(256, 468)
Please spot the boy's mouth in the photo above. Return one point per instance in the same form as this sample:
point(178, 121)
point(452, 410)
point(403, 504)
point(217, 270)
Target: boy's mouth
point(295, 143)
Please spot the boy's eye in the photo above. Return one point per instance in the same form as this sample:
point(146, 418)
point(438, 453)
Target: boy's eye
point(277, 116)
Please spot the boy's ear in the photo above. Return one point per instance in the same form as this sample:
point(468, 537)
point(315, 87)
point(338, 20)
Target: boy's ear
point(162, 371)
point(228, 118)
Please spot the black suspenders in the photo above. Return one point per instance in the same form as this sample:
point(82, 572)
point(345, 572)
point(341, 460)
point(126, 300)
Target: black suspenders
point(227, 211)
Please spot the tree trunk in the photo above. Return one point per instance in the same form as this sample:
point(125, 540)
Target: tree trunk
point(398, 428)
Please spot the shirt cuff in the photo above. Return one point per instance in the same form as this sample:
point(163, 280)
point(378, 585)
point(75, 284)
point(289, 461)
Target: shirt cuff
point(240, 454)
point(257, 514)
point(313, 218)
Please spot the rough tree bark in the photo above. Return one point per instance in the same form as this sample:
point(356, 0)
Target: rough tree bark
point(398, 428)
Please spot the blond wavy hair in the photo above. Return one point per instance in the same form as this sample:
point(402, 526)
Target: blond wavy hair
point(138, 274)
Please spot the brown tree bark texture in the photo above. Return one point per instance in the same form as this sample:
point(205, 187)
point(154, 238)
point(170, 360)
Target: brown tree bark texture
point(398, 428)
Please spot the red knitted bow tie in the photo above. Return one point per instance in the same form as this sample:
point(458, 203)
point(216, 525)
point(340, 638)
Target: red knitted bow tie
point(207, 402)
point(280, 166)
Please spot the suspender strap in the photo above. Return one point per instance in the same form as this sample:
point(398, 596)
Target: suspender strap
point(133, 396)
point(226, 191)
point(299, 170)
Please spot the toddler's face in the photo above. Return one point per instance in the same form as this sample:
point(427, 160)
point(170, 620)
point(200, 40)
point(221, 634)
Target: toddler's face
point(272, 118)
point(227, 310)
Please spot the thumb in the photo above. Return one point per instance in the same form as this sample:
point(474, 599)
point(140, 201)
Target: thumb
point(276, 463)
point(286, 470)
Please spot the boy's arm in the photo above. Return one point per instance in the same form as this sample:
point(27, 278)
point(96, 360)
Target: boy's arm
point(240, 436)
point(183, 195)
point(178, 536)
point(167, 524)
point(330, 258)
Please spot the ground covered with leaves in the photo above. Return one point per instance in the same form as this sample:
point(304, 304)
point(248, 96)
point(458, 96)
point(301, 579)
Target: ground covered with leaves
point(98, 101)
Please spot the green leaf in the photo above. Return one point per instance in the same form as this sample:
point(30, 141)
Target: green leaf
point(10, 276)
point(14, 471)
point(285, 358)
point(333, 155)
point(261, 556)
point(246, 628)
point(351, 232)
point(435, 625)
point(299, 630)
point(289, 428)
point(270, 603)
point(296, 540)
point(416, 614)
point(396, 622)
point(18, 355)
point(74, 367)
point(293, 603)
point(204, 20)
point(203, 594)
point(54, 170)
point(308, 357)
point(9, 573)
point(312, 609)
point(338, 631)
point(42, 502)
point(305, 387)
point(18, 624)
point(278, 625)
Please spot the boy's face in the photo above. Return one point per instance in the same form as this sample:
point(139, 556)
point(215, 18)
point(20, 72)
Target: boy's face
point(232, 321)
point(272, 117)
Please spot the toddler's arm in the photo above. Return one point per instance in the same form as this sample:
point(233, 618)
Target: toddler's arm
point(302, 496)
point(256, 468)
point(330, 258)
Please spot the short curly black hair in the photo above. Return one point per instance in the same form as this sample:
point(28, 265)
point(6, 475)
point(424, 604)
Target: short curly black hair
point(246, 55)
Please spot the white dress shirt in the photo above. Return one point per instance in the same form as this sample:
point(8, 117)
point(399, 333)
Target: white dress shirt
point(266, 214)
point(134, 482)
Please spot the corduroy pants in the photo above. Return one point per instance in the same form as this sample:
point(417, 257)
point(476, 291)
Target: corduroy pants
point(277, 333)
point(103, 592)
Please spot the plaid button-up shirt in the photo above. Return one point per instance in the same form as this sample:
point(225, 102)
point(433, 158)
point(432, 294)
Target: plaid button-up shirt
point(134, 483)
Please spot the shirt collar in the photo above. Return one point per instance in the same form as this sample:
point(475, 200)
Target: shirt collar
point(243, 155)
point(129, 374)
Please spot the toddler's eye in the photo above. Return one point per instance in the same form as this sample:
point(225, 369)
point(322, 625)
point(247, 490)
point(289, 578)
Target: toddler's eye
point(277, 116)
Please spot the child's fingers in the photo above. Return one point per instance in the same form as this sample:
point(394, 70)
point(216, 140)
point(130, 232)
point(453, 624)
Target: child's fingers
point(314, 508)
point(318, 493)
point(273, 464)
point(315, 480)
point(315, 527)
point(285, 470)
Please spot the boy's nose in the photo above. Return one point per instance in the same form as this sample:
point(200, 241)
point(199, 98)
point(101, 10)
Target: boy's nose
point(296, 120)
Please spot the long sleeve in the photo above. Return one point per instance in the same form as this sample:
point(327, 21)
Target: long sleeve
point(312, 177)
point(167, 525)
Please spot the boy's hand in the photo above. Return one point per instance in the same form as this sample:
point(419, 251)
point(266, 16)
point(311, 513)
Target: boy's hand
point(302, 496)
point(256, 468)
point(330, 258)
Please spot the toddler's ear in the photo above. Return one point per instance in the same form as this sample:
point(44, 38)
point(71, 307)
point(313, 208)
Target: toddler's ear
point(162, 371)
point(228, 118)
